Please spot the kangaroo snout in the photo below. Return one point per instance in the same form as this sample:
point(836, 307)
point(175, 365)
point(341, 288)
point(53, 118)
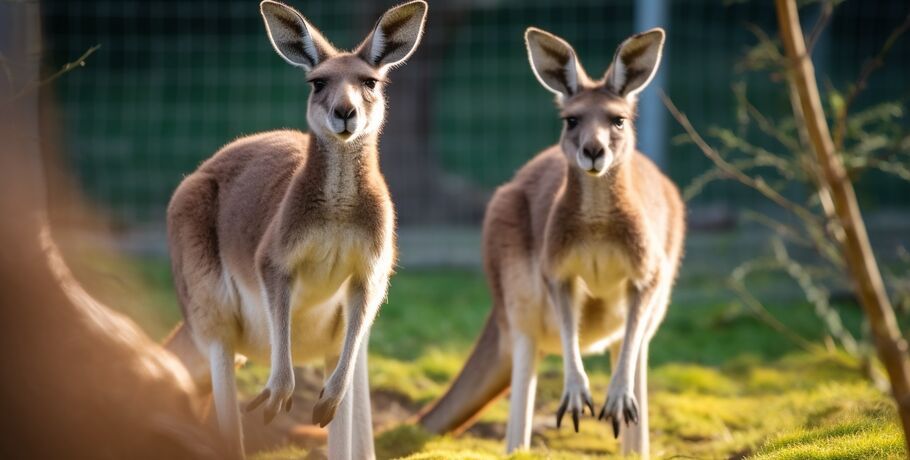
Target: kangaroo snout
point(593, 158)
point(344, 112)
point(593, 150)
point(344, 118)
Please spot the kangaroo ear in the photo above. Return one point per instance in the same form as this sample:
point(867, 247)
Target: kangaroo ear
point(554, 62)
point(396, 35)
point(635, 63)
point(292, 36)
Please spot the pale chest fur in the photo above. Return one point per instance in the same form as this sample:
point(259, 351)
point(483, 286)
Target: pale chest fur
point(600, 274)
point(602, 269)
point(325, 258)
point(347, 236)
point(328, 255)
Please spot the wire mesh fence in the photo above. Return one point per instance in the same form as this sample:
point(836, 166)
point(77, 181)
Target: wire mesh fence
point(175, 80)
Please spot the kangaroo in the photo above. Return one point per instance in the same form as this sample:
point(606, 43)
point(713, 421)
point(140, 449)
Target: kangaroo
point(286, 235)
point(581, 250)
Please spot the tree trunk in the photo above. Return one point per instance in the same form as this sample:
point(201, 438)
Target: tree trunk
point(890, 345)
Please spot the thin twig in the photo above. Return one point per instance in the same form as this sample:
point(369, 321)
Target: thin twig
point(764, 315)
point(840, 124)
point(63, 70)
point(731, 140)
point(818, 297)
point(704, 179)
point(808, 165)
point(814, 225)
point(783, 229)
point(769, 127)
point(819, 27)
point(756, 183)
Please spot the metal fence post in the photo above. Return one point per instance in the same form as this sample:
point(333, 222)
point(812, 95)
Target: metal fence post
point(651, 123)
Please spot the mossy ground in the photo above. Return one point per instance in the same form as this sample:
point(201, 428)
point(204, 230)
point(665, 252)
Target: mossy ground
point(722, 384)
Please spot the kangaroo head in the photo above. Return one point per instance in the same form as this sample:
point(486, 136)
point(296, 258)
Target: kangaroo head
point(597, 114)
point(347, 101)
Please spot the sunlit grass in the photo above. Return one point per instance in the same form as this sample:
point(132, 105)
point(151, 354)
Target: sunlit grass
point(722, 384)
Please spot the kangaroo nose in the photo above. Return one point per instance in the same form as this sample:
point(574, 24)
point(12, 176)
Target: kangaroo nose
point(593, 151)
point(344, 112)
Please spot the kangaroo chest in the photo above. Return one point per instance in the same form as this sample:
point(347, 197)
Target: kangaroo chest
point(602, 269)
point(324, 259)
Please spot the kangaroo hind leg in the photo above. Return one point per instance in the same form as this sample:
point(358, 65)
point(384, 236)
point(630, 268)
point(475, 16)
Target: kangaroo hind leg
point(224, 391)
point(524, 388)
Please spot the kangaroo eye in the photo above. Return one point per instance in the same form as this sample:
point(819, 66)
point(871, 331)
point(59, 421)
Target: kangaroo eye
point(571, 122)
point(370, 83)
point(318, 84)
point(619, 122)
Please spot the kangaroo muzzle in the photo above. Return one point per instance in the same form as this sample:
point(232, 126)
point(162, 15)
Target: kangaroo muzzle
point(594, 157)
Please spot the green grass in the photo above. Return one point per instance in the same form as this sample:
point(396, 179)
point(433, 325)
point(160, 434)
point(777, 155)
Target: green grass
point(722, 384)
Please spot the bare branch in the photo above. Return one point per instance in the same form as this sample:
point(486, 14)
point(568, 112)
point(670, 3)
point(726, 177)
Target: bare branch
point(80, 62)
point(823, 19)
point(756, 183)
point(857, 250)
point(737, 284)
point(785, 230)
point(818, 297)
point(768, 127)
point(702, 180)
point(840, 118)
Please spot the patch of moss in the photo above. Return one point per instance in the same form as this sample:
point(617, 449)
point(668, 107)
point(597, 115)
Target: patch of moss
point(287, 453)
point(401, 441)
point(688, 378)
point(852, 438)
point(402, 377)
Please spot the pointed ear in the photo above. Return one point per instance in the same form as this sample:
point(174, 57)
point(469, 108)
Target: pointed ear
point(635, 63)
point(292, 36)
point(554, 62)
point(395, 36)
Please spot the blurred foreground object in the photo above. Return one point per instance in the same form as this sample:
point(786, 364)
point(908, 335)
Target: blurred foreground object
point(891, 347)
point(79, 381)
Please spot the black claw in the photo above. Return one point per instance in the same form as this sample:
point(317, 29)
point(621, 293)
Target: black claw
point(603, 412)
point(631, 412)
point(259, 400)
point(590, 404)
point(575, 419)
point(615, 427)
point(321, 415)
point(289, 404)
point(268, 415)
point(561, 411)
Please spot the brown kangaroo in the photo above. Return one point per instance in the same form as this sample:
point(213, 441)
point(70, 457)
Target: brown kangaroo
point(581, 250)
point(283, 243)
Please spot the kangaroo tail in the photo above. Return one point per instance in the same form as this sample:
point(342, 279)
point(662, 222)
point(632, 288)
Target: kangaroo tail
point(180, 342)
point(483, 379)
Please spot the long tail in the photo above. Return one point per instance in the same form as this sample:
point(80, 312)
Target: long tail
point(180, 343)
point(484, 378)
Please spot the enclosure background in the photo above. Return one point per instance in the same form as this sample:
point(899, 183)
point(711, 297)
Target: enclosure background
point(175, 80)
